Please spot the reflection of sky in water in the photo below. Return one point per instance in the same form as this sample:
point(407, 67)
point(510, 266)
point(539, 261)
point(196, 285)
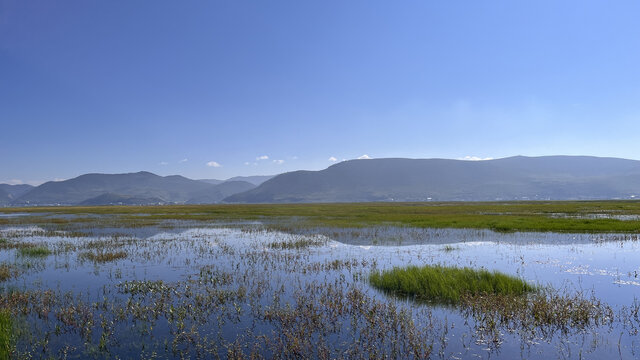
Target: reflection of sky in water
point(600, 264)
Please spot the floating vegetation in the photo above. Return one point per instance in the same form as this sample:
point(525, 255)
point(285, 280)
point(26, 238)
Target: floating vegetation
point(442, 284)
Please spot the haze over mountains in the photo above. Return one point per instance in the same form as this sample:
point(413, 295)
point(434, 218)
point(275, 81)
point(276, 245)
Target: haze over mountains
point(514, 178)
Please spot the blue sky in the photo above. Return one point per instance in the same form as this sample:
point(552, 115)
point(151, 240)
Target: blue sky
point(176, 87)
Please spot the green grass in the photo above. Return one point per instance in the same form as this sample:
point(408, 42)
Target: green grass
point(498, 216)
point(6, 334)
point(34, 251)
point(297, 244)
point(103, 256)
point(447, 285)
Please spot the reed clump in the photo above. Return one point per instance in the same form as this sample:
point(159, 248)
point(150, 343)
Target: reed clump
point(441, 284)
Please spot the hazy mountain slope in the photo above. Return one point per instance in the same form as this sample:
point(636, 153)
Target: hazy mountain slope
point(5, 199)
point(15, 191)
point(255, 180)
point(212, 181)
point(9, 193)
point(115, 199)
point(553, 177)
point(141, 184)
point(219, 192)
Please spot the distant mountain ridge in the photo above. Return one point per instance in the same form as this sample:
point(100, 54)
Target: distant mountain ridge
point(139, 188)
point(513, 178)
point(8, 193)
point(255, 180)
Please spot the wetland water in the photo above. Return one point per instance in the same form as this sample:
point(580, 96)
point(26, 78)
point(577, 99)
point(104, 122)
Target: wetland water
point(233, 291)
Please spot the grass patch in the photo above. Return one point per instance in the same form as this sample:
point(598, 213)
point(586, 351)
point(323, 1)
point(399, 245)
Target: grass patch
point(34, 251)
point(447, 285)
point(6, 334)
point(103, 256)
point(296, 244)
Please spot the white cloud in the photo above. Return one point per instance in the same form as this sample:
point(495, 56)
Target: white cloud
point(213, 164)
point(164, 163)
point(333, 159)
point(475, 158)
point(183, 160)
point(279, 162)
point(246, 163)
point(263, 157)
point(13, 182)
point(365, 156)
point(294, 157)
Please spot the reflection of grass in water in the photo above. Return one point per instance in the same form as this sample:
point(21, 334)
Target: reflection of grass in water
point(34, 251)
point(446, 284)
point(6, 334)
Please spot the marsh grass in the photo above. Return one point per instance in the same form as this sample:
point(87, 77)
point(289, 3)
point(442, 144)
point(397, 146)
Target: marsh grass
point(297, 244)
point(103, 256)
point(545, 312)
point(440, 284)
point(34, 251)
point(506, 216)
point(6, 334)
point(449, 248)
point(8, 271)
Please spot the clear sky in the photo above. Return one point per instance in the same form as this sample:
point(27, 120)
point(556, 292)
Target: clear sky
point(214, 89)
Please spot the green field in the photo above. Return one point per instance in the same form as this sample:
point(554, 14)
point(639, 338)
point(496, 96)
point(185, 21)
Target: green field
point(556, 216)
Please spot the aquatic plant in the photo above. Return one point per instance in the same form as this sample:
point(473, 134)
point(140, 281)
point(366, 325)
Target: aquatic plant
point(297, 243)
point(442, 284)
point(7, 271)
point(34, 251)
point(6, 335)
point(103, 256)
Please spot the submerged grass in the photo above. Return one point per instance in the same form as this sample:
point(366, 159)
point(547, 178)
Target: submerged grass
point(448, 285)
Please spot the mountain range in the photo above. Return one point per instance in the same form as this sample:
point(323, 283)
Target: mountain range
point(9, 193)
point(513, 178)
point(141, 188)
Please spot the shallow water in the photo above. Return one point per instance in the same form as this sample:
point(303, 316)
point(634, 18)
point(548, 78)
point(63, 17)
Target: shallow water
point(129, 310)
